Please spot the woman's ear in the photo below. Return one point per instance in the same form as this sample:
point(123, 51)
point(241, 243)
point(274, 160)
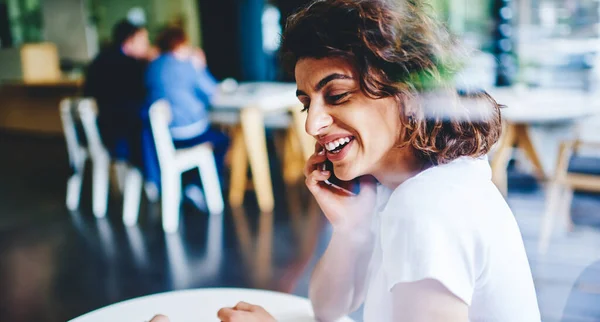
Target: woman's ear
point(406, 107)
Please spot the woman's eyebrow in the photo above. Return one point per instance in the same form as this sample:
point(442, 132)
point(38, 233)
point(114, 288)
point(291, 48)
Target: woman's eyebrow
point(329, 78)
point(324, 82)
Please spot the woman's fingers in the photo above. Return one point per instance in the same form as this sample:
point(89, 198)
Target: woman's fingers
point(313, 161)
point(317, 176)
point(227, 314)
point(244, 312)
point(243, 306)
point(160, 318)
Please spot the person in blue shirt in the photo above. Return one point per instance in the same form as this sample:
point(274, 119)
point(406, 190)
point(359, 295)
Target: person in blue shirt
point(180, 76)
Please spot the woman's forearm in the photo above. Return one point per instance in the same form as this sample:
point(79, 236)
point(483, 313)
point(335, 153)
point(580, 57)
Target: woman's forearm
point(337, 285)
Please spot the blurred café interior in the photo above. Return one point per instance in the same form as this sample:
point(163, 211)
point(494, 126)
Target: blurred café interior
point(81, 229)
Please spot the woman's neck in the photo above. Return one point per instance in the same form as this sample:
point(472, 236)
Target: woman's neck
point(399, 165)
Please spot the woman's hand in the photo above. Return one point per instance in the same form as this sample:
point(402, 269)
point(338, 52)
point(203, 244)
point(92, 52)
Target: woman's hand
point(245, 312)
point(160, 318)
point(344, 211)
point(242, 312)
point(198, 58)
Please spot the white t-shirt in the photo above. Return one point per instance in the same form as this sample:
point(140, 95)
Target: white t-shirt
point(451, 224)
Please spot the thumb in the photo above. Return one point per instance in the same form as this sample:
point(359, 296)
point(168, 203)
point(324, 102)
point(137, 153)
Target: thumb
point(160, 318)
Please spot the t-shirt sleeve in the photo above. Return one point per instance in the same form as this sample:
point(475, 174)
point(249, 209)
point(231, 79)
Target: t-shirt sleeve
point(429, 240)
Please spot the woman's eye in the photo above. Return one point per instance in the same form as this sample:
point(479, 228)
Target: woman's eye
point(305, 103)
point(335, 99)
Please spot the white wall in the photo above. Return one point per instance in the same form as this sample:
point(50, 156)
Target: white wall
point(10, 64)
point(166, 11)
point(65, 23)
point(109, 12)
point(158, 13)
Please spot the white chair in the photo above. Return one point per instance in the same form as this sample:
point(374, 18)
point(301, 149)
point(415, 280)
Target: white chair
point(131, 185)
point(173, 162)
point(77, 153)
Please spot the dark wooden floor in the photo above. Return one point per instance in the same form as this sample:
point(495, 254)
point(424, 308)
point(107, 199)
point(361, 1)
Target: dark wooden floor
point(56, 265)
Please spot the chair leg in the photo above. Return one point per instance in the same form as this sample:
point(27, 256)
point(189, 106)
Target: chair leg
point(210, 182)
point(171, 200)
point(565, 208)
point(552, 209)
point(74, 190)
point(131, 196)
point(100, 186)
point(558, 197)
point(121, 169)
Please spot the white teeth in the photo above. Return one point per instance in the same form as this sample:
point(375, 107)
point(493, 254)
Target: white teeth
point(334, 144)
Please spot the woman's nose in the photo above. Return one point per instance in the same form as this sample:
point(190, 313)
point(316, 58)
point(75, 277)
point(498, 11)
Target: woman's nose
point(317, 120)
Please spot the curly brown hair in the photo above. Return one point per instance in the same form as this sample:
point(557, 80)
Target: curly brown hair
point(399, 51)
point(170, 38)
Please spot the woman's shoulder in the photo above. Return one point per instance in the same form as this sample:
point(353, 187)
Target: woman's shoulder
point(445, 192)
point(169, 60)
point(166, 64)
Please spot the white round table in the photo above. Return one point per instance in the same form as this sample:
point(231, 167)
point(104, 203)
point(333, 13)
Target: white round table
point(202, 305)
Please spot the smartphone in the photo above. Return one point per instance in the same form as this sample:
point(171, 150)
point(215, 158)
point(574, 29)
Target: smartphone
point(349, 187)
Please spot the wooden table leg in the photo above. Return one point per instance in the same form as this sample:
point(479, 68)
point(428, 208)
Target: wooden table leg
point(307, 142)
point(253, 129)
point(502, 157)
point(294, 158)
point(239, 168)
point(524, 142)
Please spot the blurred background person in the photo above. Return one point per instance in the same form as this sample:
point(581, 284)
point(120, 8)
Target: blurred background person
point(115, 79)
point(180, 75)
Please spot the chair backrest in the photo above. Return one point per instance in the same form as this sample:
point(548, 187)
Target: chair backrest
point(160, 117)
point(88, 114)
point(74, 144)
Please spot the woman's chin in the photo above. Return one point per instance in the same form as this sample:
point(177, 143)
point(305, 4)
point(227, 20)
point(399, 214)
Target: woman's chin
point(345, 175)
point(346, 170)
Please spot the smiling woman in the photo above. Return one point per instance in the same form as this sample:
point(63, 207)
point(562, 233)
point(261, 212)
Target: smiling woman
point(428, 237)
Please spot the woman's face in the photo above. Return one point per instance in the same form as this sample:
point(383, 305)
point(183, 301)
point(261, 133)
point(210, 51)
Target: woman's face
point(357, 131)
